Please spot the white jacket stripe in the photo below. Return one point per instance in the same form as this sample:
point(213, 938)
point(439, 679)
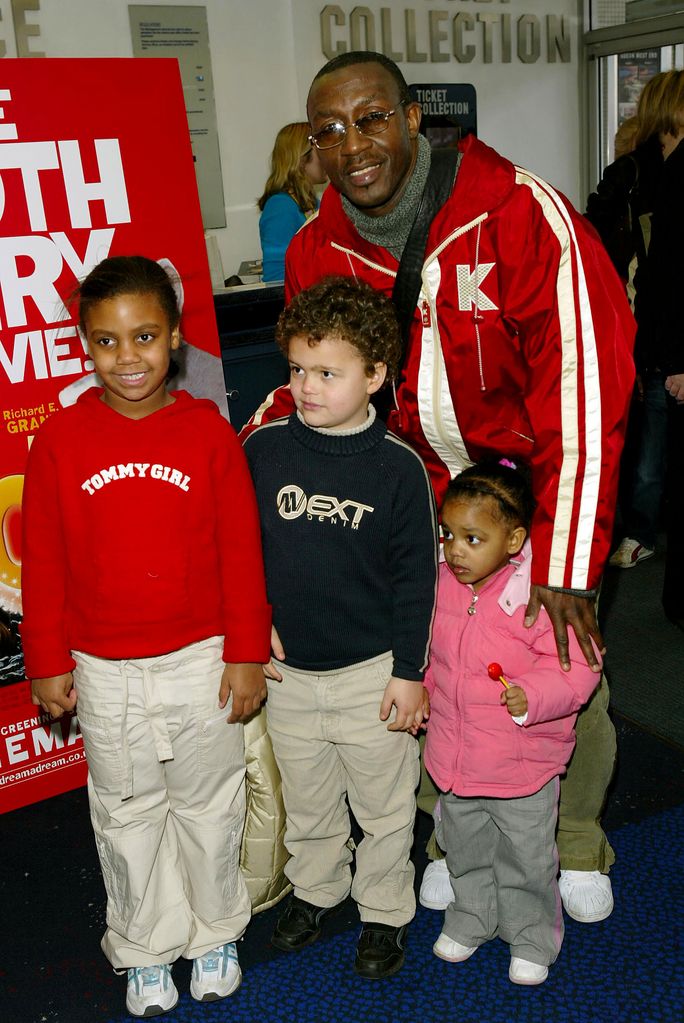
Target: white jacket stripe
point(435, 404)
point(560, 223)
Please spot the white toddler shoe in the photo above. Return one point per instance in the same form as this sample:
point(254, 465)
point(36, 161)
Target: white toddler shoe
point(521, 971)
point(451, 951)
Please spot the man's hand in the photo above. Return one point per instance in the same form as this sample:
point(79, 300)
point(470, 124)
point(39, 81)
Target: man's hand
point(407, 697)
point(56, 695)
point(247, 684)
point(565, 609)
point(270, 670)
point(674, 385)
point(515, 700)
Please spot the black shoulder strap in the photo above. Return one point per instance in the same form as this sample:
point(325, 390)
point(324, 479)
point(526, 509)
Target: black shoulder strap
point(443, 169)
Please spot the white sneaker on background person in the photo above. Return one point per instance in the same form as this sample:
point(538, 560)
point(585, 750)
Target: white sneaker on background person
point(587, 895)
point(435, 888)
point(216, 974)
point(629, 553)
point(150, 991)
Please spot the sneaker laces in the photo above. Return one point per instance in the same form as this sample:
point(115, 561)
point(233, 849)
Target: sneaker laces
point(297, 912)
point(149, 975)
point(210, 961)
point(375, 936)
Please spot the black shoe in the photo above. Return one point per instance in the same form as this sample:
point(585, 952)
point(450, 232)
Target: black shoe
point(299, 925)
point(380, 951)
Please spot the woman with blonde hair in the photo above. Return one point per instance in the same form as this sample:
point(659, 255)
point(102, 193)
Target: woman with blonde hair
point(661, 111)
point(289, 196)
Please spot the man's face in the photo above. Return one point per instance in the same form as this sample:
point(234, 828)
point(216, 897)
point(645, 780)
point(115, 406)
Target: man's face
point(371, 171)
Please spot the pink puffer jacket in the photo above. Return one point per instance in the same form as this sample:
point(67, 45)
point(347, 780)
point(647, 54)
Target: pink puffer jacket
point(474, 747)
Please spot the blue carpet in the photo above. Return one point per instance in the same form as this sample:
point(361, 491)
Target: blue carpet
point(625, 970)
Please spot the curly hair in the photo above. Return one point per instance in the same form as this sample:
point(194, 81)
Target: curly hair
point(507, 484)
point(345, 309)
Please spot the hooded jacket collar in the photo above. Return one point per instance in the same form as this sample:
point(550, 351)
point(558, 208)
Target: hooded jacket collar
point(516, 592)
point(484, 181)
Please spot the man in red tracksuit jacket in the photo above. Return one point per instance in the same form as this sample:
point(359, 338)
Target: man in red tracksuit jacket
point(520, 345)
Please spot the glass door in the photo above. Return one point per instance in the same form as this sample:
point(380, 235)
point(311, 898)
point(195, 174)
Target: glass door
point(619, 59)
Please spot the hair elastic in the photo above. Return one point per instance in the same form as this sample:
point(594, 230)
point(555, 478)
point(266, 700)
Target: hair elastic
point(507, 463)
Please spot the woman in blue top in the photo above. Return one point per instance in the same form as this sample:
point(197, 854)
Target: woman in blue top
point(289, 196)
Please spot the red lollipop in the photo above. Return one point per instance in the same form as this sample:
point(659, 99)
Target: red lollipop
point(495, 671)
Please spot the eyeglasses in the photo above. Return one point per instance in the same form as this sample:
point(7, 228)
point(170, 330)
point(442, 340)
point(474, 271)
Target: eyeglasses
point(373, 123)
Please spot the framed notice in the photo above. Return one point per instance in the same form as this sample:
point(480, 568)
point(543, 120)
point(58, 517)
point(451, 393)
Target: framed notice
point(84, 174)
point(182, 33)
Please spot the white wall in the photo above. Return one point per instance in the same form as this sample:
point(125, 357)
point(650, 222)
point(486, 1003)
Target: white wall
point(265, 52)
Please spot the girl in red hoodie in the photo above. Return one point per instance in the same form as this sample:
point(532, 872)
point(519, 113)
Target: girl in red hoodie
point(145, 607)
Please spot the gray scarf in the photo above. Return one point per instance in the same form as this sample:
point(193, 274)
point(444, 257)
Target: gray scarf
point(391, 231)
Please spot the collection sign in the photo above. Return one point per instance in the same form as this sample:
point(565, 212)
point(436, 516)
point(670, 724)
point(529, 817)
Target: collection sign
point(484, 32)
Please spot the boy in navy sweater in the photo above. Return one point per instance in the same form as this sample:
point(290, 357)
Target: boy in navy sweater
point(350, 545)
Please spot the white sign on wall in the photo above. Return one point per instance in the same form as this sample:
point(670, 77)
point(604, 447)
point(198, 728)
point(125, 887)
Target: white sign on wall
point(181, 32)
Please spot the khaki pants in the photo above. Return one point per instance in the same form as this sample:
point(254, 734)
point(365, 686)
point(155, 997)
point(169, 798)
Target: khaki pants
point(582, 843)
point(167, 802)
point(330, 744)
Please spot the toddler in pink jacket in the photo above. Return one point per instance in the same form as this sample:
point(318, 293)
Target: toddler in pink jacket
point(501, 727)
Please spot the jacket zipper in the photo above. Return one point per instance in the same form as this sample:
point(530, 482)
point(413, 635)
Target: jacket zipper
point(437, 362)
point(459, 745)
point(363, 259)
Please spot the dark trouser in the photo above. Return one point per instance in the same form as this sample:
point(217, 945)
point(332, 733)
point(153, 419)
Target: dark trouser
point(647, 477)
point(673, 597)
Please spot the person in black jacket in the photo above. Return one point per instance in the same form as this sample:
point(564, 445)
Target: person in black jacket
point(660, 338)
point(621, 211)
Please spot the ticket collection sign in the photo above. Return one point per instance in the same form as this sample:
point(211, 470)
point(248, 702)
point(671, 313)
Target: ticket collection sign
point(95, 160)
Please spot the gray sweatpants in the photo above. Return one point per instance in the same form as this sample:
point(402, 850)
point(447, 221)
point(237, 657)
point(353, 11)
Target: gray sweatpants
point(503, 864)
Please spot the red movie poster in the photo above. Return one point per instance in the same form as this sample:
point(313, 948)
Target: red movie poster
point(95, 160)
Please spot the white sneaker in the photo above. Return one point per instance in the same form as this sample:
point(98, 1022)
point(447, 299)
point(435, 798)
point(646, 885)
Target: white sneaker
point(521, 971)
point(629, 553)
point(451, 951)
point(150, 991)
point(216, 974)
point(587, 895)
point(435, 889)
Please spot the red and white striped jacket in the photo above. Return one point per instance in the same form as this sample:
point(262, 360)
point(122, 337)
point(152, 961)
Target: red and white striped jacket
point(521, 345)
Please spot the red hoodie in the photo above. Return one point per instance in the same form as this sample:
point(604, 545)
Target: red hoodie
point(140, 537)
